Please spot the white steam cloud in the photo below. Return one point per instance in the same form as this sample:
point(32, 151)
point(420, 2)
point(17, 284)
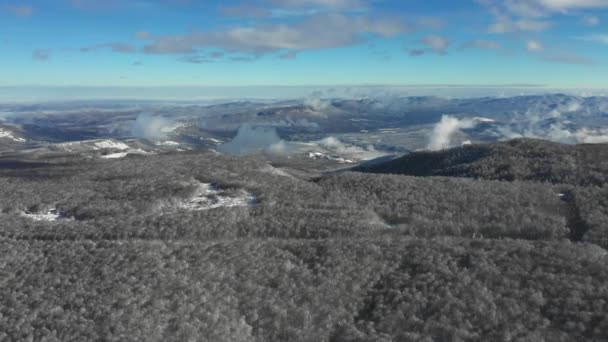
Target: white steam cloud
point(148, 126)
point(251, 139)
point(537, 122)
point(445, 130)
point(587, 136)
point(317, 103)
point(335, 145)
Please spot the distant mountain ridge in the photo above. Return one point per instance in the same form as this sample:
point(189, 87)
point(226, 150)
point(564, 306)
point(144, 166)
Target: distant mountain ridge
point(519, 159)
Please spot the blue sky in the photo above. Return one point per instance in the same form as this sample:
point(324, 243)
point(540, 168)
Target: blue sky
point(159, 43)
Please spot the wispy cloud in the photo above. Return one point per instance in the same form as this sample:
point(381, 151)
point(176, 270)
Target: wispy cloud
point(591, 20)
point(431, 23)
point(142, 35)
point(289, 55)
point(569, 58)
point(114, 47)
point(596, 38)
point(515, 16)
point(95, 4)
point(534, 46)
point(482, 44)
point(544, 8)
point(195, 59)
point(434, 44)
point(41, 54)
point(416, 52)
point(19, 10)
point(343, 4)
point(323, 31)
point(505, 24)
point(245, 11)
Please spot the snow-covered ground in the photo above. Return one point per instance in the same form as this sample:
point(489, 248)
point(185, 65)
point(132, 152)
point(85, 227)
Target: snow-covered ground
point(208, 196)
point(115, 155)
point(94, 145)
point(9, 135)
point(111, 144)
point(119, 155)
point(320, 155)
point(49, 216)
point(167, 143)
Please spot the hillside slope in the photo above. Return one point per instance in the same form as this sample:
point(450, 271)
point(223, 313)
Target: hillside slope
point(204, 247)
point(520, 159)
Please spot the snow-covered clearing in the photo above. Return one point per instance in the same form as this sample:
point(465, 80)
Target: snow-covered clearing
point(206, 197)
point(49, 216)
point(112, 144)
point(167, 143)
point(115, 155)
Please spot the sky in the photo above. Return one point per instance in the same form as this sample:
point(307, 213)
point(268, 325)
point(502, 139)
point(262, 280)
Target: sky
point(103, 44)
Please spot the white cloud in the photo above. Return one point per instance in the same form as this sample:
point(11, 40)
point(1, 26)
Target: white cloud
point(142, 35)
point(565, 5)
point(115, 47)
point(434, 43)
point(348, 4)
point(432, 23)
point(151, 127)
point(437, 43)
point(321, 31)
point(253, 139)
point(591, 20)
point(543, 8)
point(569, 58)
point(444, 132)
point(289, 55)
point(41, 54)
point(534, 46)
point(596, 38)
point(335, 146)
point(482, 44)
point(505, 24)
point(20, 10)
point(589, 136)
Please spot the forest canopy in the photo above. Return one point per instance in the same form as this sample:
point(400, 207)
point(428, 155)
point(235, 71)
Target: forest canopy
point(201, 246)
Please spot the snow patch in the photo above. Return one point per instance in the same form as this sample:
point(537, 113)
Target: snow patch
point(111, 144)
point(208, 196)
point(94, 145)
point(320, 155)
point(50, 216)
point(9, 135)
point(119, 155)
point(115, 155)
point(167, 143)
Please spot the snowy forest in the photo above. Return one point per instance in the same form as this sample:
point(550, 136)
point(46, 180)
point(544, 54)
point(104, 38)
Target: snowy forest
point(198, 246)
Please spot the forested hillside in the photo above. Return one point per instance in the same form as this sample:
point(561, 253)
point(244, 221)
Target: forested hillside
point(520, 159)
point(204, 247)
